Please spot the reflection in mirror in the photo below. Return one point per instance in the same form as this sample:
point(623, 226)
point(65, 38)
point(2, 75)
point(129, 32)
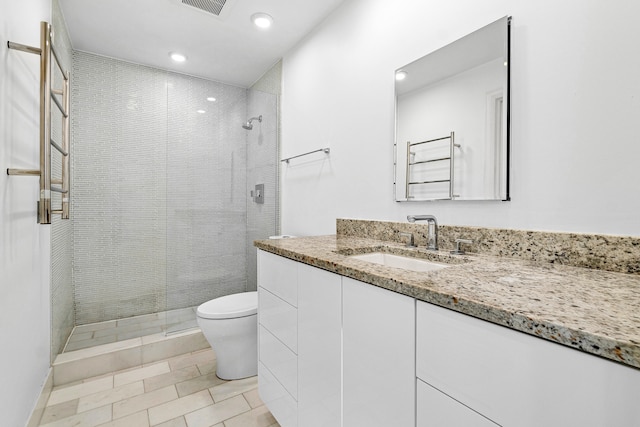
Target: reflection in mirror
point(452, 120)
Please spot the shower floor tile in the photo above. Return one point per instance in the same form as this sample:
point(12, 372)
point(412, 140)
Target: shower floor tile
point(111, 331)
point(170, 392)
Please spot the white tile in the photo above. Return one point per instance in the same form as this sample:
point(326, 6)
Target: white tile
point(79, 390)
point(201, 382)
point(139, 419)
point(144, 401)
point(86, 419)
point(163, 349)
point(253, 398)
point(107, 397)
point(258, 417)
point(80, 336)
point(98, 350)
point(140, 374)
point(79, 345)
point(93, 366)
point(218, 412)
point(170, 378)
point(94, 326)
point(145, 318)
point(140, 332)
point(207, 368)
point(233, 388)
point(182, 406)
point(59, 411)
point(195, 358)
point(176, 422)
point(162, 337)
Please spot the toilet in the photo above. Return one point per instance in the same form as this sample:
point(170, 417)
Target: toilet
point(230, 325)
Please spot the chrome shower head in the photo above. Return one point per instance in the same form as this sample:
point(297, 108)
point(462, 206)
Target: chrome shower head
point(248, 125)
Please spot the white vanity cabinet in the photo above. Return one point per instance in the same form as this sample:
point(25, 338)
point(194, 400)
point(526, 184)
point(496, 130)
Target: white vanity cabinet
point(319, 347)
point(378, 329)
point(335, 352)
point(515, 379)
point(278, 336)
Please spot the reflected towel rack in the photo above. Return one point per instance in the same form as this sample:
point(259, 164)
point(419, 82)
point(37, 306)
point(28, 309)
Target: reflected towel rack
point(325, 150)
point(47, 94)
point(450, 158)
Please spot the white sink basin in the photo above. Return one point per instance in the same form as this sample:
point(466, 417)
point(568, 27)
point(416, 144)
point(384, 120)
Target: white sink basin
point(398, 261)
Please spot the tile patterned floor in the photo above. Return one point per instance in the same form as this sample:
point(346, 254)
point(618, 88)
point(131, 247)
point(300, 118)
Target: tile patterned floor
point(94, 334)
point(181, 391)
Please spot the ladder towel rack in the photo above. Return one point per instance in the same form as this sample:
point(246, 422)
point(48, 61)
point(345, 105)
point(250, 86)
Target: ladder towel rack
point(450, 158)
point(47, 94)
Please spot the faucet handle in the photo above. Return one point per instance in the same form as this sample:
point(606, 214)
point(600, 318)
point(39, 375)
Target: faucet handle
point(459, 251)
point(410, 243)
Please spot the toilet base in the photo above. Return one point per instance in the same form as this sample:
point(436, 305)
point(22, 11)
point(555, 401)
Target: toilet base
point(235, 342)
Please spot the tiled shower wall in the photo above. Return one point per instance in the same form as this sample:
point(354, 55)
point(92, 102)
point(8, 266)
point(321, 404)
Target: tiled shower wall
point(119, 128)
point(62, 309)
point(160, 190)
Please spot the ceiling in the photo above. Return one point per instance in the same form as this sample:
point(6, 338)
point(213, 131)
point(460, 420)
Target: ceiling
point(226, 48)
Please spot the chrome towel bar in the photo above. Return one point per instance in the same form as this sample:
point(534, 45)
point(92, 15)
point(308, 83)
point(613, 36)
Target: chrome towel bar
point(325, 150)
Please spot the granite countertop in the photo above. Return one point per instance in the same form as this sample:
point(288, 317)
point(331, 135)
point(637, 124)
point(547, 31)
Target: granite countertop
point(591, 310)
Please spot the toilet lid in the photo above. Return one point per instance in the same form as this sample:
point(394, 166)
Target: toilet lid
point(230, 306)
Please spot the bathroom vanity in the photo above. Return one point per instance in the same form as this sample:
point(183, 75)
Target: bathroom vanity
point(484, 341)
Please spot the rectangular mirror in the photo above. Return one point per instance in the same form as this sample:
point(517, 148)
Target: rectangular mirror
point(452, 120)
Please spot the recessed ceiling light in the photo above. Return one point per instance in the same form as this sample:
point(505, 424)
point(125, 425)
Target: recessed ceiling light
point(177, 57)
point(261, 20)
point(401, 75)
point(211, 99)
point(201, 111)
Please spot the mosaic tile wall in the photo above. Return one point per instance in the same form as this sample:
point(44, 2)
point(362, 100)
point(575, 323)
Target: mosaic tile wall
point(120, 133)
point(62, 307)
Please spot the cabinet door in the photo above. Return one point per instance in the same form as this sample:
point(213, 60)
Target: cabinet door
point(378, 356)
point(519, 380)
point(319, 347)
point(436, 409)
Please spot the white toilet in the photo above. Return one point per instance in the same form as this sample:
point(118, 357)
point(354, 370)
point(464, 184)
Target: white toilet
point(230, 324)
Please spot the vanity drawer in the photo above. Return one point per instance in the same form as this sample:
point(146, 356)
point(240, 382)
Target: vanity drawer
point(279, 317)
point(282, 406)
point(280, 360)
point(516, 379)
point(435, 408)
point(279, 276)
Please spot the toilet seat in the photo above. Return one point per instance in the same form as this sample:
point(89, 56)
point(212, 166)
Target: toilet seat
point(230, 306)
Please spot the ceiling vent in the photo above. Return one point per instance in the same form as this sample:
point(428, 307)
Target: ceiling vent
point(211, 6)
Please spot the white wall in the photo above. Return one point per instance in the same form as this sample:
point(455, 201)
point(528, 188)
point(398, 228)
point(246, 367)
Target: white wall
point(24, 245)
point(575, 109)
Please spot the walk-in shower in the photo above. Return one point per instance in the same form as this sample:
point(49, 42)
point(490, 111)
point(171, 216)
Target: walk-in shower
point(249, 124)
point(163, 219)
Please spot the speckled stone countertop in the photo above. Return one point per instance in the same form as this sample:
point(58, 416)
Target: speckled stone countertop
point(591, 310)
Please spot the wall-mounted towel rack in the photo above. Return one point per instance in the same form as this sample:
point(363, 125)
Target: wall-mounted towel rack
point(47, 94)
point(324, 150)
point(450, 158)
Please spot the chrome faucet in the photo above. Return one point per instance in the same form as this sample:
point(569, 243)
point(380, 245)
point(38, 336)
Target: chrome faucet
point(432, 231)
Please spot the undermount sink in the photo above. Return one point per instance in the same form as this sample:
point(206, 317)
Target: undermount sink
point(398, 261)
